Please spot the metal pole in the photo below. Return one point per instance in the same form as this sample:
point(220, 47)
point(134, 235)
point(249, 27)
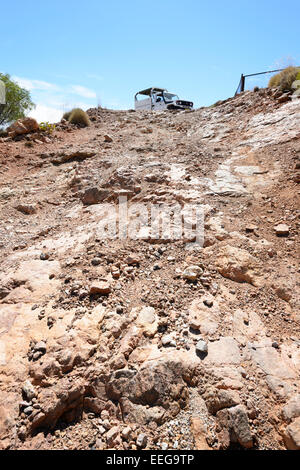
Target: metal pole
point(242, 83)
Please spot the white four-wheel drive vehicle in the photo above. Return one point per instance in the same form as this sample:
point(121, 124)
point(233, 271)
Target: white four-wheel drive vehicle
point(158, 99)
point(2, 96)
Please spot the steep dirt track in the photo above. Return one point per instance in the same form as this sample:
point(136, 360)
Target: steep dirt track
point(180, 348)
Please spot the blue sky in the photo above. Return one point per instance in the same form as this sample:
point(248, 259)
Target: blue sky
point(74, 53)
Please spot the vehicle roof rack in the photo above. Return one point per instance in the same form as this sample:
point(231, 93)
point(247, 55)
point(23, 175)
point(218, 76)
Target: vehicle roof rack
point(148, 91)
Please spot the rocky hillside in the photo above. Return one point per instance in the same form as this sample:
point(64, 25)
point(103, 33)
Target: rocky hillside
point(129, 344)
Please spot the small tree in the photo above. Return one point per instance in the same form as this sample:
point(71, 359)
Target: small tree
point(18, 101)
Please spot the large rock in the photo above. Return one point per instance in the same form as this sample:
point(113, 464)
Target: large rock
point(63, 398)
point(292, 435)
point(234, 427)
point(237, 264)
point(23, 126)
point(217, 400)
point(160, 383)
point(292, 409)
point(94, 196)
point(68, 155)
point(34, 279)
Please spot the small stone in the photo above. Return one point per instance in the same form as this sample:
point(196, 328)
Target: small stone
point(28, 410)
point(209, 303)
point(101, 430)
point(107, 138)
point(104, 414)
point(41, 346)
point(99, 444)
point(24, 404)
point(37, 355)
point(282, 230)
point(192, 273)
point(129, 270)
point(29, 390)
point(142, 440)
point(44, 256)
point(96, 261)
point(284, 98)
point(23, 126)
point(126, 433)
point(112, 435)
point(251, 228)
point(100, 287)
point(106, 424)
point(240, 426)
point(115, 272)
point(168, 340)
point(133, 260)
point(292, 409)
point(27, 209)
point(201, 347)
point(242, 371)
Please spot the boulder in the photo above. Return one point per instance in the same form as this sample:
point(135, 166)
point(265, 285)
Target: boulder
point(292, 409)
point(23, 126)
point(292, 435)
point(217, 400)
point(237, 264)
point(234, 427)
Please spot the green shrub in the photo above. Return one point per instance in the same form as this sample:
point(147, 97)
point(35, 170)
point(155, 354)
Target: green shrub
point(284, 79)
point(79, 117)
point(18, 101)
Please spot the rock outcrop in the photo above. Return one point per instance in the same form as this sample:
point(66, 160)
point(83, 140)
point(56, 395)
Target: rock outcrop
point(117, 335)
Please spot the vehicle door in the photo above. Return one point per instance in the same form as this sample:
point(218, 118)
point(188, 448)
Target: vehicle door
point(158, 102)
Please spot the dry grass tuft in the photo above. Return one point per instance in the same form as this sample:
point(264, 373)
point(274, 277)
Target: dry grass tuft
point(284, 79)
point(67, 115)
point(77, 116)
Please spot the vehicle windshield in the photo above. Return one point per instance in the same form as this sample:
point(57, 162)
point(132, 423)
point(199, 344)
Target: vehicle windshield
point(170, 97)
